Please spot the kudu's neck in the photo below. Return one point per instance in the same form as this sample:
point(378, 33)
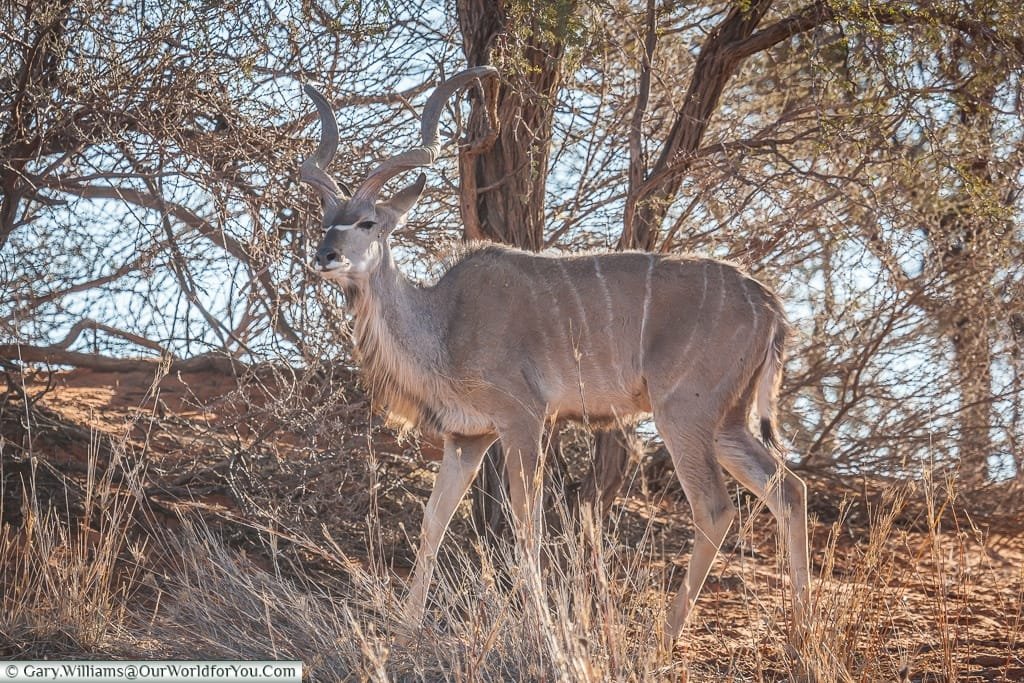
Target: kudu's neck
point(382, 289)
point(396, 327)
point(402, 304)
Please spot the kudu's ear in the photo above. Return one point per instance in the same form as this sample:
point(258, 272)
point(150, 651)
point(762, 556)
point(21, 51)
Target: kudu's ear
point(407, 196)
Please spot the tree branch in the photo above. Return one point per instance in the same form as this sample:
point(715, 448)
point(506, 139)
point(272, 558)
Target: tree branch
point(55, 355)
point(89, 324)
point(637, 160)
point(186, 216)
point(147, 201)
point(784, 29)
point(728, 44)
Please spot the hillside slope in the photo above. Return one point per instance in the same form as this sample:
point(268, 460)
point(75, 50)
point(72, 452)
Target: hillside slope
point(270, 515)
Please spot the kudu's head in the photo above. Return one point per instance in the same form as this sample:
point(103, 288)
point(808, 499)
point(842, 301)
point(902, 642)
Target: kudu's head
point(357, 224)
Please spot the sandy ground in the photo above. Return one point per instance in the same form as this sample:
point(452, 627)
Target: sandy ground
point(941, 591)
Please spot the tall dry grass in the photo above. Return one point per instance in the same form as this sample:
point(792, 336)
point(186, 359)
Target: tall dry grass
point(95, 576)
point(69, 572)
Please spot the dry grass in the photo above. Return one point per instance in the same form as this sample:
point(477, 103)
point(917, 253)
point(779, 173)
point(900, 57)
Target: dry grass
point(106, 564)
point(68, 579)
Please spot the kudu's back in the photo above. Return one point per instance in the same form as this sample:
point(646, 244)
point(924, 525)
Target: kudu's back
point(596, 336)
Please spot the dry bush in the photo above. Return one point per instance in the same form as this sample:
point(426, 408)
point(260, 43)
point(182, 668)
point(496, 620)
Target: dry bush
point(69, 581)
point(900, 591)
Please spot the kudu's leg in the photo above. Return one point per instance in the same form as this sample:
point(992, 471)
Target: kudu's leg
point(690, 445)
point(526, 491)
point(462, 458)
point(782, 491)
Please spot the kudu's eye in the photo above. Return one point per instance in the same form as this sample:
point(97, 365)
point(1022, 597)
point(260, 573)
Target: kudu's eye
point(366, 225)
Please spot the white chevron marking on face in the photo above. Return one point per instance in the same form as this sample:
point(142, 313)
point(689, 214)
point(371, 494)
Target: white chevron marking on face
point(341, 228)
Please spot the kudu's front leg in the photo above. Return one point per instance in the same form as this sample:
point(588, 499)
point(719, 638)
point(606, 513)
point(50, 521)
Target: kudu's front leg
point(462, 458)
point(524, 470)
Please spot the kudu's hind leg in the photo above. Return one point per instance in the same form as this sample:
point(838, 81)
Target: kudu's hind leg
point(692, 454)
point(782, 491)
point(462, 458)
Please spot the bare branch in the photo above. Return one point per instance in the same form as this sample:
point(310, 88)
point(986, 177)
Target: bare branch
point(637, 159)
point(185, 216)
point(87, 324)
point(55, 355)
point(809, 17)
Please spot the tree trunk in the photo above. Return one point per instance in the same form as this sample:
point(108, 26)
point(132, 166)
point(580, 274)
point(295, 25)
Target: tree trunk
point(966, 235)
point(720, 56)
point(503, 171)
point(972, 348)
point(967, 238)
point(604, 479)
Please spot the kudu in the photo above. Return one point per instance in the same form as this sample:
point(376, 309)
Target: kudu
point(507, 340)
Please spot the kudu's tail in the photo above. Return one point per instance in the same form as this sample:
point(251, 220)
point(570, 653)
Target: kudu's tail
point(768, 384)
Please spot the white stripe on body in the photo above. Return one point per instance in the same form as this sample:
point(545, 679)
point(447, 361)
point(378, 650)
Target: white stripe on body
point(582, 343)
point(604, 290)
point(693, 329)
point(750, 302)
point(647, 306)
point(579, 303)
point(609, 310)
point(549, 374)
point(721, 294)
